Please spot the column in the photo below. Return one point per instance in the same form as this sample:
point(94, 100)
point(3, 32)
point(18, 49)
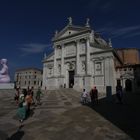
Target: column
point(55, 67)
point(107, 71)
point(88, 72)
point(77, 57)
point(113, 73)
point(44, 75)
point(62, 59)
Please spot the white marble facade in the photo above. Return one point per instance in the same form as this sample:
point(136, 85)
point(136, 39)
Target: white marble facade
point(81, 59)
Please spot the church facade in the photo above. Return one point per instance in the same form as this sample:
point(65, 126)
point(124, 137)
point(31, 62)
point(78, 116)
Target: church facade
point(81, 59)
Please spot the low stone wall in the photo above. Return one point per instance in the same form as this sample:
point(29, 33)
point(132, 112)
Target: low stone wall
point(6, 85)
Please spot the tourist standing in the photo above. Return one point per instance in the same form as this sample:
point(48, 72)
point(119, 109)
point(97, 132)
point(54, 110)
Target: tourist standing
point(94, 95)
point(84, 97)
point(119, 93)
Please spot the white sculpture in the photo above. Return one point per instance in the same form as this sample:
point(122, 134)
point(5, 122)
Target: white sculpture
point(4, 76)
point(70, 20)
point(87, 23)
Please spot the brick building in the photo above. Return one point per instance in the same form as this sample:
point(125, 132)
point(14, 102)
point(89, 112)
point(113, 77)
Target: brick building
point(127, 73)
point(129, 56)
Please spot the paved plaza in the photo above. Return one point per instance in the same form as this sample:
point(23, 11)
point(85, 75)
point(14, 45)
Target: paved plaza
point(62, 117)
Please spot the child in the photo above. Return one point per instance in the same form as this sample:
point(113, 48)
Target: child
point(84, 97)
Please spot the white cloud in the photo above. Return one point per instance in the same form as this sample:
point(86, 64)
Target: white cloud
point(105, 30)
point(132, 34)
point(124, 32)
point(33, 48)
point(100, 4)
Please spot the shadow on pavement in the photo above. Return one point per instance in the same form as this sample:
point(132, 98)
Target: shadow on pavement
point(126, 116)
point(17, 136)
point(3, 135)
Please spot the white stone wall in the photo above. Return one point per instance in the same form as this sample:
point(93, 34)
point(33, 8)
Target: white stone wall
point(7, 86)
point(70, 49)
point(28, 77)
point(91, 64)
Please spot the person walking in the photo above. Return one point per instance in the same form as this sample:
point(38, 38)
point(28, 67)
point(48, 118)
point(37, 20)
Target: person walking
point(17, 96)
point(22, 109)
point(38, 94)
point(32, 94)
point(119, 93)
point(94, 95)
point(28, 100)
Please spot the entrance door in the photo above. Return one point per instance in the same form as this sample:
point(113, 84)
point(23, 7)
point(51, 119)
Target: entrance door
point(128, 85)
point(71, 79)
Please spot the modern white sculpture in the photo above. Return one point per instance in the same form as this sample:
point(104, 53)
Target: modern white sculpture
point(4, 75)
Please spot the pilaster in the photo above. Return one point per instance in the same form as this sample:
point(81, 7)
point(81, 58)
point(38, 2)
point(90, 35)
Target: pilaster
point(77, 57)
point(62, 59)
point(55, 67)
point(88, 72)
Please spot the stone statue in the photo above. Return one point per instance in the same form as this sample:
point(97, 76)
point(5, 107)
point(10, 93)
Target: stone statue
point(87, 23)
point(45, 56)
point(56, 33)
point(4, 76)
point(109, 42)
point(70, 20)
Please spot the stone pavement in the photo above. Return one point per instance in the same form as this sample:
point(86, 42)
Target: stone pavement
point(60, 117)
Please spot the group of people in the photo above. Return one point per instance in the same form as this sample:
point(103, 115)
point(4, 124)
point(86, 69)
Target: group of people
point(92, 96)
point(24, 100)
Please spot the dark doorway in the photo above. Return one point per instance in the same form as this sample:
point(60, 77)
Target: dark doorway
point(71, 79)
point(118, 82)
point(128, 85)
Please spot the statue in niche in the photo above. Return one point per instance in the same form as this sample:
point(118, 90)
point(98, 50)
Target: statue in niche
point(70, 66)
point(50, 71)
point(83, 66)
point(4, 76)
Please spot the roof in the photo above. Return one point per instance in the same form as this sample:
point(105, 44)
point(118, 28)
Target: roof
point(29, 68)
point(127, 49)
point(129, 66)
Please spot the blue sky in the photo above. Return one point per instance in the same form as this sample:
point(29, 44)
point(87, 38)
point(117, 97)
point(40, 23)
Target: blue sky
point(27, 26)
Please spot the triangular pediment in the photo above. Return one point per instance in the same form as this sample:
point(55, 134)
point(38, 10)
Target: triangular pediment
point(70, 30)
